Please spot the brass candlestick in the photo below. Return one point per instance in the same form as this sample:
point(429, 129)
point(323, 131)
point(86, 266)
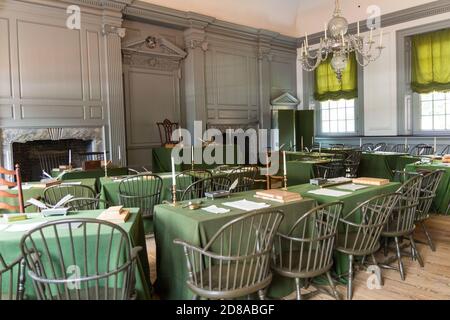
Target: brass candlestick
point(174, 195)
point(285, 182)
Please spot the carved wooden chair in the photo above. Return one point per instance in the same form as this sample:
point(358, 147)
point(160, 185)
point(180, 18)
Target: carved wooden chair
point(166, 128)
point(11, 184)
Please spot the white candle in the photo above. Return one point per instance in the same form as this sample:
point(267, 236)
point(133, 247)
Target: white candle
point(358, 28)
point(435, 145)
point(70, 156)
point(284, 163)
point(381, 37)
point(306, 39)
point(173, 172)
point(343, 40)
point(326, 30)
point(104, 157)
point(302, 146)
point(360, 142)
point(120, 153)
point(320, 147)
point(406, 143)
point(192, 154)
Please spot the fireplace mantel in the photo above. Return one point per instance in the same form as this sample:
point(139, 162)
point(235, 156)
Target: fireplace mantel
point(22, 135)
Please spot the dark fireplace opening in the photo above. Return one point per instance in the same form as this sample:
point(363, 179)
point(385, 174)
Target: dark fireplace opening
point(28, 154)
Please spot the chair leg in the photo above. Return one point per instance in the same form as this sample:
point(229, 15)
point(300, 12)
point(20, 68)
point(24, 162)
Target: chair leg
point(416, 252)
point(195, 297)
point(430, 242)
point(350, 278)
point(399, 257)
point(298, 288)
point(333, 287)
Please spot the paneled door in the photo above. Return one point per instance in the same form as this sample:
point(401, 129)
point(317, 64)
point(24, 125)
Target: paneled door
point(150, 97)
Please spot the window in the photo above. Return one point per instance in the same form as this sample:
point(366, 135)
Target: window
point(435, 111)
point(338, 116)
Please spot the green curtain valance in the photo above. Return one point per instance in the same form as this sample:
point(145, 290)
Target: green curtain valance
point(430, 63)
point(328, 87)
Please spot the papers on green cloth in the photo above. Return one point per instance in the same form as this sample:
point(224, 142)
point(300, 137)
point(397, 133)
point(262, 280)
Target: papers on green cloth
point(3, 226)
point(23, 227)
point(330, 193)
point(216, 210)
point(246, 205)
point(351, 187)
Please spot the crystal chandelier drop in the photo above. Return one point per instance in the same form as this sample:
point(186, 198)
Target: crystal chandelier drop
point(340, 44)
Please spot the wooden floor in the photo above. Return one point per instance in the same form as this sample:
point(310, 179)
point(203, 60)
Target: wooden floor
point(429, 283)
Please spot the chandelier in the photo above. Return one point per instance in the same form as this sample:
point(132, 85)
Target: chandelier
point(340, 44)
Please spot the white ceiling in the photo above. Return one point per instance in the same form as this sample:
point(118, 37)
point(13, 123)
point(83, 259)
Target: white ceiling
point(288, 17)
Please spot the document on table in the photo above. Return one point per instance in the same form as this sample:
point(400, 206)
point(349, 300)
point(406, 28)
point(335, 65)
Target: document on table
point(3, 226)
point(246, 205)
point(330, 193)
point(216, 210)
point(23, 227)
point(352, 187)
point(24, 187)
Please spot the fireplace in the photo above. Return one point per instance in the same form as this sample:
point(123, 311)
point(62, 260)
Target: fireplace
point(24, 144)
point(27, 154)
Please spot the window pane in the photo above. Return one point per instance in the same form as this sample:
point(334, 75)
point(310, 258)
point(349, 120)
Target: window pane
point(439, 96)
point(333, 104)
point(439, 122)
point(350, 113)
point(333, 126)
point(448, 122)
point(427, 108)
point(341, 114)
point(333, 114)
point(341, 125)
point(326, 126)
point(427, 123)
point(350, 103)
point(427, 97)
point(439, 107)
point(325, 105)
point(326, 115)
point(350, 125)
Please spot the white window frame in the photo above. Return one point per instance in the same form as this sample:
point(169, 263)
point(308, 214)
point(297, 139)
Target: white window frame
point(418, 114)
point(333, 113)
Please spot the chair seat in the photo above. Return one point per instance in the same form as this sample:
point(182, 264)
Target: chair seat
point(234, 288)
point(91, 294)
point(305, 270)
point(356, 244)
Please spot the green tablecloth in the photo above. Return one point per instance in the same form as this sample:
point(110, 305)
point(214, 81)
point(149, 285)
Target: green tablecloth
point(300, 172)
point(35, 192)
point(380, 165)
point(10, 241)
point(197, 227)
point(161, 159)
point(86, 174)
point(442, 200)
point(290, 156)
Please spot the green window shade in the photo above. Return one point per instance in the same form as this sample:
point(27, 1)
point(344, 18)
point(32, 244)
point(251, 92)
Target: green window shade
point(328, 87)
point(430, 62)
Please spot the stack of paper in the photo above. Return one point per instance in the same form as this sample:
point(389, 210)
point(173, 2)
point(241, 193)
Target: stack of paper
point(216, 210)
point(115, 215)
point(23, 227)
point(246, 205)
point(371, 181)
point(351, 187)
point(330, 193)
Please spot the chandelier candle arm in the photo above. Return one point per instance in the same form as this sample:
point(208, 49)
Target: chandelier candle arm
point(339, 43)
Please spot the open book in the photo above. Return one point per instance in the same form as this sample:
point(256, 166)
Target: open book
point(48, 210)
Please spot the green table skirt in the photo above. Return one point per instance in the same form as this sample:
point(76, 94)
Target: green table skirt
point(35, 192)
point(300, 172)
point(442, 200)
point(382, 166)
point(10, 250)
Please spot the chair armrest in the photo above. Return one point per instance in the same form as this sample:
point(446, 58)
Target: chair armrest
point(135, 252)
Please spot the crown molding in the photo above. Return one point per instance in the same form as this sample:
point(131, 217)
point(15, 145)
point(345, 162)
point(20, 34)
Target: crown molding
point(155, 14)
point(394, 18)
